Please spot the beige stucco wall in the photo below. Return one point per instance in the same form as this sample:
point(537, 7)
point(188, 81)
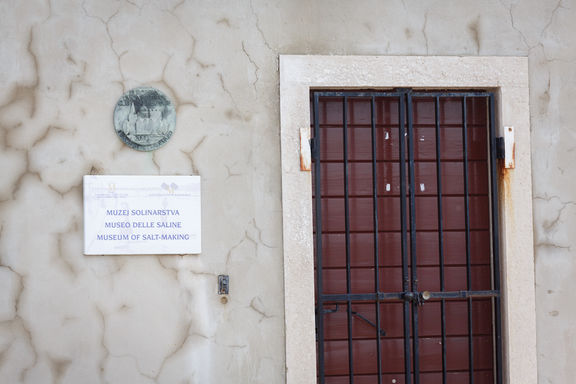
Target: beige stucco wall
point(69, 318)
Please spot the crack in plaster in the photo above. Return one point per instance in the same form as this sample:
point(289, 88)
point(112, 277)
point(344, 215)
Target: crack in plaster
point(36, 66)
point(178, 5)
point(260, 240)
point(155, 162)
point(550, 227)
point(111, 40)
point(177, 348)
point(230, 114)
point(512, 23)
point(424, 33)
point(106, 351)
point(25, 93)
point(79, 80)
point(44, 135)
point(548, 24)
point(256, 68)
point(136, 364)
point(255, 240)
point(20, 289)
point(18, 321)
point(172, 271)
point(4, 352)
point(258, 26)
point(564, 204)
point(192, 56)
point(20, 179)
point(27, 171)
point(179, 102)
point(229, 254)
point(230, 172)
point(117, 262)
point(64, 192)
point(186, 335)
point(257, 305)
point(190, 154)
point(49, 2)
point(29, 338)
point(140, 7)
point(246, 237)
point(552, 15)
point(68, 266)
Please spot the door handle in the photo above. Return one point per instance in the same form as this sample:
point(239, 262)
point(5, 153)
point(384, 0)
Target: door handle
point(417, 297)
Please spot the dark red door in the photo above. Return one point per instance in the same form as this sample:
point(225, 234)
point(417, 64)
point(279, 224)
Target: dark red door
point(407, 278)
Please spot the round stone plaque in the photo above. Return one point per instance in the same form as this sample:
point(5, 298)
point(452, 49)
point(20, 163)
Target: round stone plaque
point(144, 118)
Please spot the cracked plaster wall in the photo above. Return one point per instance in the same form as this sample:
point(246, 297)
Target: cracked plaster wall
point(69, 318)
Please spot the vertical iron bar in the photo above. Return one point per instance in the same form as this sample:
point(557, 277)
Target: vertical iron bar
point(376, 244)
point(405, 277)
point(467, 226)
point(347, 228)
point(440, 233)
point(495, 238)
point(413, 260)
point(318, 218)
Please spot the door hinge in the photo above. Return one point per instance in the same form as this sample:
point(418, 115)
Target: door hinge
point(313, 147)
point(500, 148)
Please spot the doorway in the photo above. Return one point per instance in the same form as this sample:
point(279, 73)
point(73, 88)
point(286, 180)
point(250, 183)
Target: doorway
point(406, 237)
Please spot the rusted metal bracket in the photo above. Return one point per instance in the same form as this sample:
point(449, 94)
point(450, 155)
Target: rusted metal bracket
point(509, 148)
point(505, 148)
point(305, 150)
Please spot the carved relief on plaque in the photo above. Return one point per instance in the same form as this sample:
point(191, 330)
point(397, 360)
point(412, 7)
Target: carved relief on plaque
point(144, 118)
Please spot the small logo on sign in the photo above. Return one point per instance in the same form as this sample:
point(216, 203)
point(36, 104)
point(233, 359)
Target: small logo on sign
point(170, 188)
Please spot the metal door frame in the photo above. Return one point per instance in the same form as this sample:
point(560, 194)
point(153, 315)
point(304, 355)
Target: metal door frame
point(507, 77)
point(410, 295)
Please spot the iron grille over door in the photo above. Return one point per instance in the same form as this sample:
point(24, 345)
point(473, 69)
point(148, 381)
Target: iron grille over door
point(406, 237)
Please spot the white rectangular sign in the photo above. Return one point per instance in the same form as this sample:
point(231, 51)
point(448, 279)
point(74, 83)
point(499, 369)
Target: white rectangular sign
point(128, 215)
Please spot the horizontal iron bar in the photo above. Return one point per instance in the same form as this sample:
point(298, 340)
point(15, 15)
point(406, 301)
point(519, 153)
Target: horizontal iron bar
point(361, 296)
point(395, 161)
point(451, 94)
point(357, 94)
point(418, 194)
point(399, 93)
point(418, 231)
point(400, 295)
point(463, 294)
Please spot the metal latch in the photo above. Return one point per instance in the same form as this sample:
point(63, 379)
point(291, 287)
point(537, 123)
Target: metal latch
point(223, 284)
point(417, 297)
